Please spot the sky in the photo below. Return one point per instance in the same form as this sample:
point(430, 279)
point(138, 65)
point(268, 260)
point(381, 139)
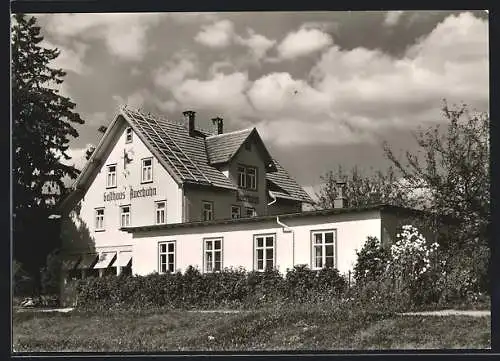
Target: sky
point(323, 88)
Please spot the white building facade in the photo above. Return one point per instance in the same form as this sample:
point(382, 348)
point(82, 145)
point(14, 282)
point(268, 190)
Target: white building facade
point(159, 196)
point(150, 171)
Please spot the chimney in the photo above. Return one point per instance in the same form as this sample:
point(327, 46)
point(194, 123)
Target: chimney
point(340, 201)
point(220, 124)
point(189, 119)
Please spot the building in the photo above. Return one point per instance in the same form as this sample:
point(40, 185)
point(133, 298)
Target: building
point(159, 196)
point(150, 171)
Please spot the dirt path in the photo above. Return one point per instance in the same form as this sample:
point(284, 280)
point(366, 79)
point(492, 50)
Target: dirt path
point(472, 313)
point(44, 309)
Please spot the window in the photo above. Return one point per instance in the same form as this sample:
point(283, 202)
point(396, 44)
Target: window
point(235, 212)
point(247, 177)
point(111, 176)
point(250, 212)
point(147, 170)
point(241, 177)
point(248, 145)
point(251, 178)
point(128, 135)
point(125, 216)
point(166, 252)
point(160, 212)
point(213, 255)
point(99, 219)
point(323, 249)
point(208, 211)
point(264, 252)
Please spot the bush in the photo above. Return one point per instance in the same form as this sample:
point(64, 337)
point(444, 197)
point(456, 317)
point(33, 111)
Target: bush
point(51, 274)
point(371, 261)
point(228, 288)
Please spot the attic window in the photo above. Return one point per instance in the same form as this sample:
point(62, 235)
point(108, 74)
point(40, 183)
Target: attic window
point(248, 146)
point(128, 135)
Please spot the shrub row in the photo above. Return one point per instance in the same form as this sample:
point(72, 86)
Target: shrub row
point(192, 289)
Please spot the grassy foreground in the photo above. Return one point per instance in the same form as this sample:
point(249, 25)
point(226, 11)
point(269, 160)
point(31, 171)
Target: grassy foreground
point(297, 328)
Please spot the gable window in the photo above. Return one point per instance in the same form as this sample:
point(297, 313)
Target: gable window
point(99, 219)
point(242, 180)
point(323, 249)
point(235, 212)
point(251, 178)
point(247, 177)
point(248, 145)
point(166, 257)
point(128, 135)
point(125, 216)
point(250, 212)
point(161, 207)
point(208, 211)
point(147, 170)
point(264, 252)
point(111, 176)
point(213, 255)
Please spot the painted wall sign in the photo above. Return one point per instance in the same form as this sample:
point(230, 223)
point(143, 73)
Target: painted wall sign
point(143, 192)
point(113, 196)
point(140, 193)
point(247, 198)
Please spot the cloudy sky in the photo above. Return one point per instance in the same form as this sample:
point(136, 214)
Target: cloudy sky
point(322, 88)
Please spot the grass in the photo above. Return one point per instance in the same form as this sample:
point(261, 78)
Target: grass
point(289, 328)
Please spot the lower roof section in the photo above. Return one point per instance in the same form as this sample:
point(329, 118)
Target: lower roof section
point(326, 212)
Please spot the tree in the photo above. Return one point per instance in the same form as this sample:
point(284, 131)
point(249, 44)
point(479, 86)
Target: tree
point(361, 190)
point(42, 124)
point(453, 165)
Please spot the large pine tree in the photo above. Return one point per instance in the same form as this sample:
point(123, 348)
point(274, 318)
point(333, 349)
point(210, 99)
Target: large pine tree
point(42, 124)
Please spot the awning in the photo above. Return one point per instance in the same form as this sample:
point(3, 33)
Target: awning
point(70, 262)
point(124, 259)
point(88, 260)
point(105, 260)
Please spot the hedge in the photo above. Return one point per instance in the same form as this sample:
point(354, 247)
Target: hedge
point(192, 289)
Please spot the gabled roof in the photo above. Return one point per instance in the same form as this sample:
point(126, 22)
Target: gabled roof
point(184, 156)
point(282, 181)
point(188, 159)
point(221, 148)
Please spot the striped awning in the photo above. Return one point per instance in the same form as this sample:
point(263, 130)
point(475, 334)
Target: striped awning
point(106, 259)
point(88, 261)
point(70, 262)
point(124, 259)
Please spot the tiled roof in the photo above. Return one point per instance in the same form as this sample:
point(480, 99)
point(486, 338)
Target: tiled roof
point(183, 155)
point(191, 159)
point(221, 148)
point(285, 182)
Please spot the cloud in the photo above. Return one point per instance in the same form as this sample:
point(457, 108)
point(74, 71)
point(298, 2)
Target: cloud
point(451, 62)
point(392, 18)
point(135, 100)
point(123, 33)
point(303, 42)
point(279, 93)
point(223, 93)
point(175, 71)
point(216, 35)
point(257, 44)
point(70, 58)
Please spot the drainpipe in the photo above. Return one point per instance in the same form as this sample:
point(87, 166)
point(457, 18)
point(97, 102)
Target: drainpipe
point(287, 229)
point(274, 199)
